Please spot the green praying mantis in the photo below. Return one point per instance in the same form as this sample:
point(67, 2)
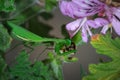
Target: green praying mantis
point(24, 35)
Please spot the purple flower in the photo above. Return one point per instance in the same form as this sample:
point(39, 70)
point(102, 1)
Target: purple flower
point(83, 9)
point(98, 22)
point(115, 19)
point(75, 10)
point(68, 8)
point(112, 15)
point(88, 7)
point(80, 8)
point(112, 20)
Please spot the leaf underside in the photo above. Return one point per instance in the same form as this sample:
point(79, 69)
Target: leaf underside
point(109, 70)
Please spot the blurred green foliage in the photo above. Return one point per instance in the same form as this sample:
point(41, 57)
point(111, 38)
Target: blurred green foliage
point(24, 69)
point(3, 72)
point(50, 4)
point(7, 5)
point(105, 45)
point(49, 69)
point(5, 38)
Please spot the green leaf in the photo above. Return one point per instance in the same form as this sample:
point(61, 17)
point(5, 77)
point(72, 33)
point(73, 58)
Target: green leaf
point(5, 39)
point(55, 65)
point(109, 70)
point(7, 5)
point(41, 70)
point(22, 67)
point(50, 4)
point(25, 70)
point(3, 65)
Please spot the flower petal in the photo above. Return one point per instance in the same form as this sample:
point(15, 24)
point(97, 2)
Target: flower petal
point(88, 7)
point(69, 8)
point(75, 26)
point(116, 25)
point(66, 8)
point(116, 11)
point(88, 30)
point(84, 35)
point(104, 29)
point(98, 22)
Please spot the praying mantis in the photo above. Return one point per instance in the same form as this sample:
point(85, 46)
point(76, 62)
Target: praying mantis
point(24, 35)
